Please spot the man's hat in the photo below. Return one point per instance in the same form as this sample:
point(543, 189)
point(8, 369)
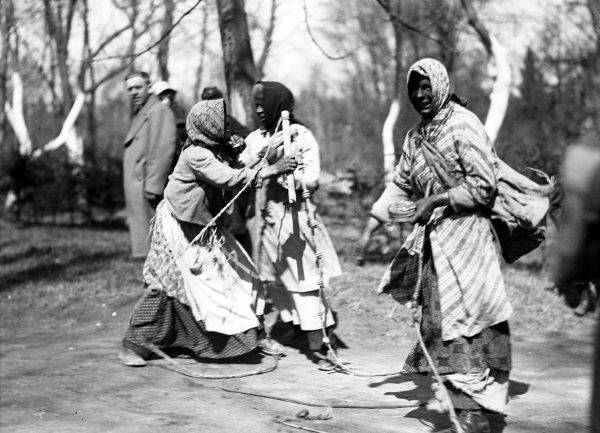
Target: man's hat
point(211, 93)
point(162, 86)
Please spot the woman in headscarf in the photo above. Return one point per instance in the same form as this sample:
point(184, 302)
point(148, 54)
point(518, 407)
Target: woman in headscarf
point(449, 163)
point(286, 246)
point(201, 298)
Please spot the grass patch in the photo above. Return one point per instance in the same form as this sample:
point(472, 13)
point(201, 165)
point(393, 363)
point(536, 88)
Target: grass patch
point(58, 275)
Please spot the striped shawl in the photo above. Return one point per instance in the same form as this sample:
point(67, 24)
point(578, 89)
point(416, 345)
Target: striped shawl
point(472, 293)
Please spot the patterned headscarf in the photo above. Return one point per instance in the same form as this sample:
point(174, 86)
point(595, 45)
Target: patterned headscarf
point(276, 98)
point(205, 123)
point(438, 76)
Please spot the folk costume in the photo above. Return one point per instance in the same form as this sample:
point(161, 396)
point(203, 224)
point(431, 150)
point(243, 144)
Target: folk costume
point(287, 247)
point(202, 298)
point(464, 303)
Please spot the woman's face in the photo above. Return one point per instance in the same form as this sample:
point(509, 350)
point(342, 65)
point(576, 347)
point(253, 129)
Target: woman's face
point(259, 103)
point(421, 95)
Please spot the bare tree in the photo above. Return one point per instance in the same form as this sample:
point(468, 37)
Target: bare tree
point(59, 21)
point(392, 8)
point(499, 65)
point(268, 40)
point(163, 48)
point(240, 72)
point(201, 53)
point(7, 11)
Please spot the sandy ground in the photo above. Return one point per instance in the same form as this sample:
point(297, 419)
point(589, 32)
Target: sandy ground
point(66, 379)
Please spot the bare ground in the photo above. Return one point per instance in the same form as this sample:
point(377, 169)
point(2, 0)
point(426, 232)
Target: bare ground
point(65, 295)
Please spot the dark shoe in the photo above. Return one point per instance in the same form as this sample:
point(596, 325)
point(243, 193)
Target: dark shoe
point(471, 421)
point(291, 335)
point(327, 360)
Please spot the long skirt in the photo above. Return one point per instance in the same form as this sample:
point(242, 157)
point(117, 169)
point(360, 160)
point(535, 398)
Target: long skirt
point(477, 366)
point(166, 316)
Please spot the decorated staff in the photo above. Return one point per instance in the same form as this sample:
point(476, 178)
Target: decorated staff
point(287, 151)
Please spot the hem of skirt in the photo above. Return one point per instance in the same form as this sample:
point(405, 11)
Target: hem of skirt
point(457, 333)
point(473, 396)
point(147, 353)
point(443, 370)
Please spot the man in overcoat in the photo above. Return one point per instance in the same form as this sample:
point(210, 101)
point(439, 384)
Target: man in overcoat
point(150, 147)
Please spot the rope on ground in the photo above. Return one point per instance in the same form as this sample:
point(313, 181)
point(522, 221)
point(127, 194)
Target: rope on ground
point(181, 369)
point(279, 420)
point(331, 405)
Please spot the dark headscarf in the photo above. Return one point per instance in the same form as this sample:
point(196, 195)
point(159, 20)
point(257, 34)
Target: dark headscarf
point(276, 98)
point(205, 124)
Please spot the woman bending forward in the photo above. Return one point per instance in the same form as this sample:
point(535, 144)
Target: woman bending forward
point(203, 298)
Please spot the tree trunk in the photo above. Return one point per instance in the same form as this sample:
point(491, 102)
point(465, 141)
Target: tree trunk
point(6, 25)
point(15, 116)
point(201, 54)
point(240, 72)
point(594, 8)
point(498, 61)
point(387, 135)
point(163, 47)
point(268, 41)
point(500, 93)
point(58, 29)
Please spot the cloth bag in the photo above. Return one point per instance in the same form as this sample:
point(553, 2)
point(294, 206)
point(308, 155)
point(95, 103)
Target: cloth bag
point(518, 212)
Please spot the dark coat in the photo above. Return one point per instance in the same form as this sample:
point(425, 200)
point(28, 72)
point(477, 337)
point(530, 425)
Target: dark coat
point(147, 161)
point(579, 246)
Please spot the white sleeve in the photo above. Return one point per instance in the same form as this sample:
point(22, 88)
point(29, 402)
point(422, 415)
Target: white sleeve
point(307, 150)
point(254, 144)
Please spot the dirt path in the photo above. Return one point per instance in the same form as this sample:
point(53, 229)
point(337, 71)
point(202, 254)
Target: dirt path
point(66, 379)
point(66, 293)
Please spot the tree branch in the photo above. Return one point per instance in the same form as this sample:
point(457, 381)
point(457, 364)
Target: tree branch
point(312, 37)
point(268, 41)
point(387, 8)
point(133, 56)
point(163, 47)
point(108, 40)
point(476, 24)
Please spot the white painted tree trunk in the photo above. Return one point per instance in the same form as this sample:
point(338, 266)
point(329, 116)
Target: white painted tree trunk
point(15, 116)
point(69, 135)
point(499, 66)
point(387, 136)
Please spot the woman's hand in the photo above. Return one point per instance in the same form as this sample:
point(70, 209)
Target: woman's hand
point(427, 205)
point(271, 155)
point(285, 165)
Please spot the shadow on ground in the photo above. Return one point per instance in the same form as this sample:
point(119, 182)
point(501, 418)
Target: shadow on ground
point(52, 270)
